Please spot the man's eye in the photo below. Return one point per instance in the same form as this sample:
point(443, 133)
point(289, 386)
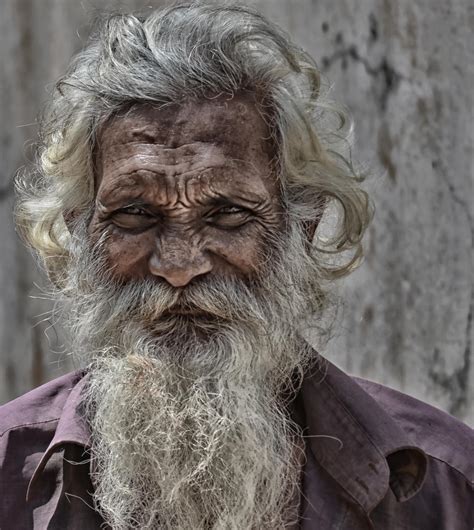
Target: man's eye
point(230, 210)
point(133, 210)
point(133, 217)
point(229, 217)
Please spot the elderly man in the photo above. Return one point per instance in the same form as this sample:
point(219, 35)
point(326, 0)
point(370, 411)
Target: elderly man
point(185, 162)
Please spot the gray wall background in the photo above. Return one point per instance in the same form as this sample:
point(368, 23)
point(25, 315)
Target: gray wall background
point(404, 69)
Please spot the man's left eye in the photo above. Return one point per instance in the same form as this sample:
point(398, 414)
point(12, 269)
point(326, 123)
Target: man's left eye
point(229, 217)
point(230, 210)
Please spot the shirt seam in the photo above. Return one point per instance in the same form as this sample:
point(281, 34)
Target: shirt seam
point(27, 425)
point(369, 438)
point(452, 466)
point(354, 419)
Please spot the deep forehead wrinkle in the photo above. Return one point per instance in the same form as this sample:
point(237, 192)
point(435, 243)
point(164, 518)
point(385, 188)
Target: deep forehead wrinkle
point(197, 187)
point(125, 157)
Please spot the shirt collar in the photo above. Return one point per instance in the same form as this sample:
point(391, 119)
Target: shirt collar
point(356, 441)
point(71, 429)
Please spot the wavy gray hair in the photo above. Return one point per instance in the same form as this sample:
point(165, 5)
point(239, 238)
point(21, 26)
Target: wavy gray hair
point(191, 51)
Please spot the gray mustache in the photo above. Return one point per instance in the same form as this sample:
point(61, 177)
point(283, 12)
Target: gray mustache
point(221, 298)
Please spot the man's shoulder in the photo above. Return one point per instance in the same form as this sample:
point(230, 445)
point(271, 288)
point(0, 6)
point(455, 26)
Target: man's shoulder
point(440, 435)
point(41, 405)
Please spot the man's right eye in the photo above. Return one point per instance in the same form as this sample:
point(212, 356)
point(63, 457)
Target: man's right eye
point(133, 210)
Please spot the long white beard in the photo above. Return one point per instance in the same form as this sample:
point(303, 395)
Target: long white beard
point(189, 419)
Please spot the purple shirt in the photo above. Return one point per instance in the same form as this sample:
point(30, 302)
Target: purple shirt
point(375, 458)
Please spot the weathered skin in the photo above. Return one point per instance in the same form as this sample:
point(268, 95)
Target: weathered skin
point(186, 191)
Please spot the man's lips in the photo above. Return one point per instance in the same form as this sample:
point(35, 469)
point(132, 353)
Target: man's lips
point(185, 311)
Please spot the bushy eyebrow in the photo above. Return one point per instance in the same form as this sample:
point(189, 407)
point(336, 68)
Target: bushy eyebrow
point(207, 202)
point(126, 191)
point(249, 198)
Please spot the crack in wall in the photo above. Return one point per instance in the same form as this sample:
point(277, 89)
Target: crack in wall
point(457, 385)
point(390, 78)
point(464, 204)
point(462, 375)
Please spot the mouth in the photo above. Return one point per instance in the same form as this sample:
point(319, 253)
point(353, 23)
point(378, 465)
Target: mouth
point(187, 312)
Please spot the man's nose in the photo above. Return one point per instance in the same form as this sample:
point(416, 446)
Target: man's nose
point(178, 262)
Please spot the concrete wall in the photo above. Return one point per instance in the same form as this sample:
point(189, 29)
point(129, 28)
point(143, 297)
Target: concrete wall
point(402, 68)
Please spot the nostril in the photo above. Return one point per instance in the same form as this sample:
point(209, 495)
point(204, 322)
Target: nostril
point(178, 278)
point(179, 275)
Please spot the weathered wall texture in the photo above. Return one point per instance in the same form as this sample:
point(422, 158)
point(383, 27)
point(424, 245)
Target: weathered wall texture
point(405, 71)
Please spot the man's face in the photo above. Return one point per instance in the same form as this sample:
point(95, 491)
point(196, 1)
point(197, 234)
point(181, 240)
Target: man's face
point(186, 191)
point(187, 387)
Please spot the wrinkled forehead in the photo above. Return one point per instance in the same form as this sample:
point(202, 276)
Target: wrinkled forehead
point(233, 125)
point(226, 136)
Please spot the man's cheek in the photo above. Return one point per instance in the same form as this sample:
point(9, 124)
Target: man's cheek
point(241, 254)
point(127, 256)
